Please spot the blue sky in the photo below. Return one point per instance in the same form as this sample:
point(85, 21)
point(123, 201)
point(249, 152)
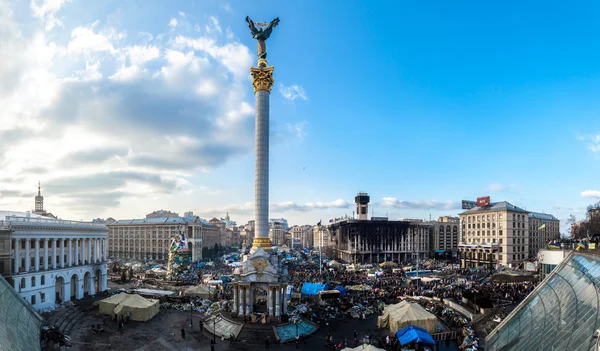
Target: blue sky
point(143, 105)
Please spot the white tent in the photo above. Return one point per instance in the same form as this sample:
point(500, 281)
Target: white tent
point(201, 291)
point(140, 309)
point(404, 314)
point(363, 348)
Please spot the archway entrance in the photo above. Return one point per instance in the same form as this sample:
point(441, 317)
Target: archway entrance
point(87, 279)
point(74, 280)
point(191, 248)
point(97, 281)
point(260, 300)
point(59, 289)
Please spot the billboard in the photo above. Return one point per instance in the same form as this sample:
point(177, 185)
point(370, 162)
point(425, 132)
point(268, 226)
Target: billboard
point(483, 201)
point(467, 205)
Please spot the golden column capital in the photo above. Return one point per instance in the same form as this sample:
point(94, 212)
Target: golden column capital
point(262, 78)
point(264, 242)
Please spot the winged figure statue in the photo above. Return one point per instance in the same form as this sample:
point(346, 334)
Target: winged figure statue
point(262, 35)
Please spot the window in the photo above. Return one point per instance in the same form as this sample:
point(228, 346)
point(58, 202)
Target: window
point(43, 280)
point(33, 299)
point(43, 297)
point(32, 281)
point(23, 283)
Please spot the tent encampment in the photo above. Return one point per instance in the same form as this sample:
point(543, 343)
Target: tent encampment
point(201, 291)
point(404, 314)
point(140, 309)
point(414, 334)
point(312, 289)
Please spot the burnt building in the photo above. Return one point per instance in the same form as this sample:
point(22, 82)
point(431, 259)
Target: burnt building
point(377, 240)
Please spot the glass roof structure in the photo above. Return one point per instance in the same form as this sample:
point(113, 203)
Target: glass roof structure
point(20, 325)
point(562, 313)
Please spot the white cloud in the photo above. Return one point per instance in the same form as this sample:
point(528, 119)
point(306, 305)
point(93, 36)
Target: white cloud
point(47, 11)
point(167, 109)
point(593, 141)
point(500, 187)
point(277, 207)
point(591, 193)
point(173, 23)
point(292, 92)
point(182, 14)
point(215, 24)
point(298, 129)
point(421, 205)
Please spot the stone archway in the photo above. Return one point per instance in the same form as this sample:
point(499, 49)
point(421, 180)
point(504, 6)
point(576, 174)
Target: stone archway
point(260, 297)
point(59, 289)
point(87, 284)
point(74, 280)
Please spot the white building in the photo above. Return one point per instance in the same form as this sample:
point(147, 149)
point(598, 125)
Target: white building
point(49, 260)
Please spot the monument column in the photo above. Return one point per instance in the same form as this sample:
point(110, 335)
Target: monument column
point(235, 298)
point(262, 80)
point(278, 301)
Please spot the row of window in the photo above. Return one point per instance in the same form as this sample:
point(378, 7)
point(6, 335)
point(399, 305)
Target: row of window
point(33, 298)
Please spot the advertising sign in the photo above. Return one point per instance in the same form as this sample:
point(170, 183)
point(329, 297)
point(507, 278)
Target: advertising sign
point(530, 266)
point(467, 205)
point(483, 201)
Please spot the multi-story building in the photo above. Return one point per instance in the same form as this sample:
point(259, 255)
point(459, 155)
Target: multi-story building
point(307, 236)
point(282, 221)
point(543, 227)
point(494, 234)
point(445, 240)
point(49, 261)
point(277, 234)
point(150, 238)
point(377, 240)
point(296, 237)
point(320, 236)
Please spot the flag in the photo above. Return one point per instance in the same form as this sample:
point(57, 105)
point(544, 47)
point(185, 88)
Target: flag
point(319, 224)
point(542, 226)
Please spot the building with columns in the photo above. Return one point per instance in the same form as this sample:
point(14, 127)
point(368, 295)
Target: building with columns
point(49, 261)
point(150, 238)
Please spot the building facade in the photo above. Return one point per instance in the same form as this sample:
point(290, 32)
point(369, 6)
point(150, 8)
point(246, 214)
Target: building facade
point(320, 236)
point(150, 238)
point(162, 214)
point(493, 235)
point(51, 260)
point(543, 227)
point(374, 241)
point(277, 234)
point(445, 240)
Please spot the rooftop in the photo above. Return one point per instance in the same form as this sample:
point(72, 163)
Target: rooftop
point(495, 206)
point(159, 220)
point(544, 216)
point(16, 218)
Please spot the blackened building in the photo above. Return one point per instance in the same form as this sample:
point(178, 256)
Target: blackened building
point(376, 240)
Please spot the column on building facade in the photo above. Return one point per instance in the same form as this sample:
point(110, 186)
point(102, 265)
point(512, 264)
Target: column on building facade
point(17, 256)
point(248, 300)
point(70, 252)
point(27, 258)
point(83, 253)
point(284, 308)
point(76, 252)
point(242, 300)
point(89, 251)
point(235, 298)
point(96, 250)
point(270, 300)
point(46, 254)
point(37, 255)
point(53, 253)
point(62, 253)
point(278, 301)
point(106, 249)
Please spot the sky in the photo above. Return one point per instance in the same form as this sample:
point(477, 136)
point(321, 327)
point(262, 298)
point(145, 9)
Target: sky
point(120, 108)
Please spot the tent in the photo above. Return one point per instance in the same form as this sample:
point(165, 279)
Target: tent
point(368, 347)
point(414, 334)
point(341, 290)
point(404, 314)
point(312, 289)
point(201, 291)
point(141, 309)
point(388, 264)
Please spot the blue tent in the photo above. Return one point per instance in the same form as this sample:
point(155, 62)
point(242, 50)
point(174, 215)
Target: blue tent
point(341, 289)
point(313, 289)
point(414, 334)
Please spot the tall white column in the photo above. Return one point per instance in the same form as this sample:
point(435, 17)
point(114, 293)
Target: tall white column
point(235, 299)
point(62, 253)
point(70, 253)
point(270, 301)
point(27, 258)
point(17, 256)
point(97, 250)
point(77, 252)
point(248, 300)
point(83, 255)
point(37, 255)
point(262, 80)
point(54, 254)
point(105, 246)
point(278, 302)
point(89, 251)
point(46, 254)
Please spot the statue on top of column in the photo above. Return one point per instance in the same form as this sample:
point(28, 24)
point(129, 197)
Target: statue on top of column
point(262, 35)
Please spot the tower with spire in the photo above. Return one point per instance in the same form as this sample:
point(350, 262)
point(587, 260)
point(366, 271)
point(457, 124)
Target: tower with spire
point(39, 201)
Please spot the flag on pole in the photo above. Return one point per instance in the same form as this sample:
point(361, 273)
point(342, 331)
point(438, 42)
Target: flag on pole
point(319, 224)
point(542, 226)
